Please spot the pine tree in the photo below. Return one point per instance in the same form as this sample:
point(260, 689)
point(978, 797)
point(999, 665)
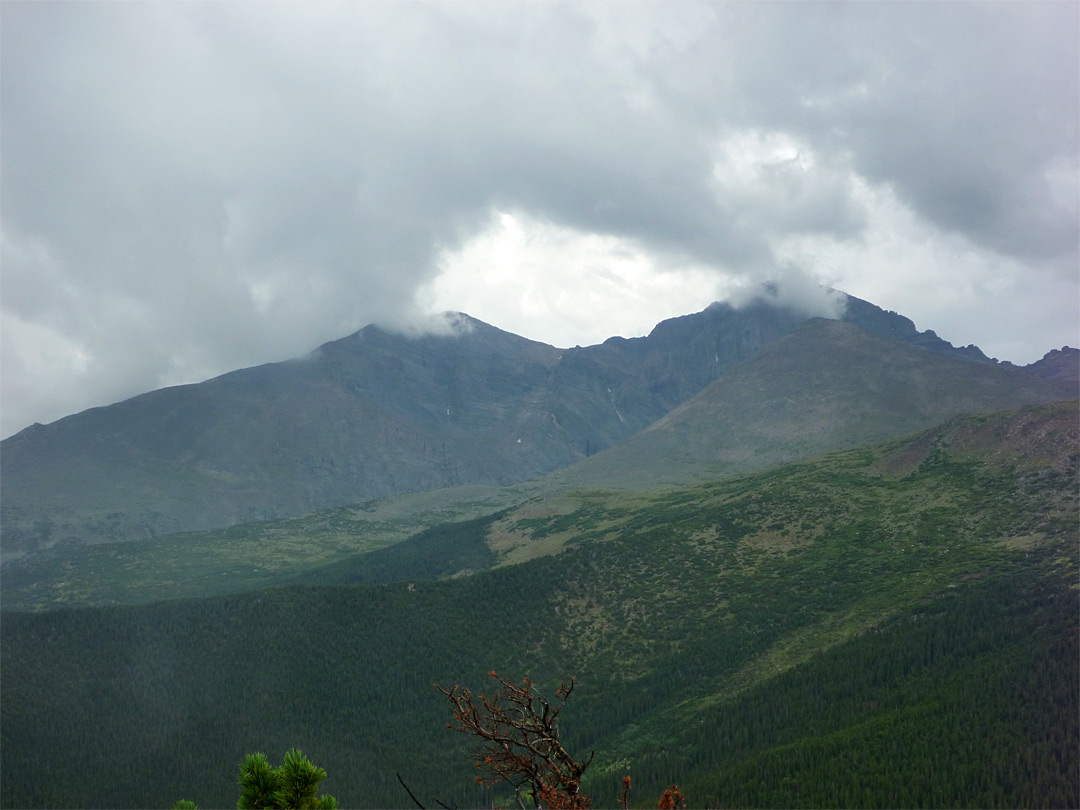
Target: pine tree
point(293, 785)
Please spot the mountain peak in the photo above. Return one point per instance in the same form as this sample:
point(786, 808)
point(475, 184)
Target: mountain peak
point(388, 411)
point(825, 385)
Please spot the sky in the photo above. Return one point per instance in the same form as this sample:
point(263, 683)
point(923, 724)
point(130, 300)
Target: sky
point(189, 188)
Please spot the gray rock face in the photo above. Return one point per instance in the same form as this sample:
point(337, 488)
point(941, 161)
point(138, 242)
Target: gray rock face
point(1058, 364)
point(371, 415)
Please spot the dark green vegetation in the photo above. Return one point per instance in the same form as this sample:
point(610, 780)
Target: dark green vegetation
point(293, 785)
point(891, 626)
point(373, 415)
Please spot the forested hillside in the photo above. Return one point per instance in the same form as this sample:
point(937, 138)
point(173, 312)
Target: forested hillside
point(894, 625)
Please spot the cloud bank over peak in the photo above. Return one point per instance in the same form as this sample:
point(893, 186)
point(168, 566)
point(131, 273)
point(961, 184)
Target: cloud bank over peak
point(194, 187)
point(794, 289)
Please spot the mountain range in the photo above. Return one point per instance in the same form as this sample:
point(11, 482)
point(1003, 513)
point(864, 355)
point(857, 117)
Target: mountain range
point(790, 561)
point(378, 414)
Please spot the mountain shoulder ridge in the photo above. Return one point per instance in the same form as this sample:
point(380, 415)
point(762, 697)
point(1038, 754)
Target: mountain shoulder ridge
point(827, 385)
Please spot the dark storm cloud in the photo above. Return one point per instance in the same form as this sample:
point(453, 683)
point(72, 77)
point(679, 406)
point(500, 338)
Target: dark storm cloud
point(969, 111)
point(972, 118)
point(193, 187)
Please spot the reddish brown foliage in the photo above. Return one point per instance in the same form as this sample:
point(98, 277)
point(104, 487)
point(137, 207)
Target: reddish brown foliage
point(671, 799)
point(520, 741)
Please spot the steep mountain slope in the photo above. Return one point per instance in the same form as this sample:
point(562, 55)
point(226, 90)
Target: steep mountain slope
point(826, 386)
point(371, 415)
point(890, 626)
point(272, 440)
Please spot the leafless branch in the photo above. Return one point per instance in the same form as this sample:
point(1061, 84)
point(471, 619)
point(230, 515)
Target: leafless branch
point(519, 734)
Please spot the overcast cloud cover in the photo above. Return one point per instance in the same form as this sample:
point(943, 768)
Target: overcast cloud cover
point(189, 188)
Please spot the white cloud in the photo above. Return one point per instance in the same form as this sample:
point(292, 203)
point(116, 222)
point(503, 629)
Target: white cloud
point(563, 286)
point(943, 281)
point(40, 368)
point(194, 187)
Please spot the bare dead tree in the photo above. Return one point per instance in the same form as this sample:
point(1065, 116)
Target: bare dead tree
point(520, 742)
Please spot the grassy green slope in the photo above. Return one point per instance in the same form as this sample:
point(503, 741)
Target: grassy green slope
point(884, 627)
point(241, 558)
